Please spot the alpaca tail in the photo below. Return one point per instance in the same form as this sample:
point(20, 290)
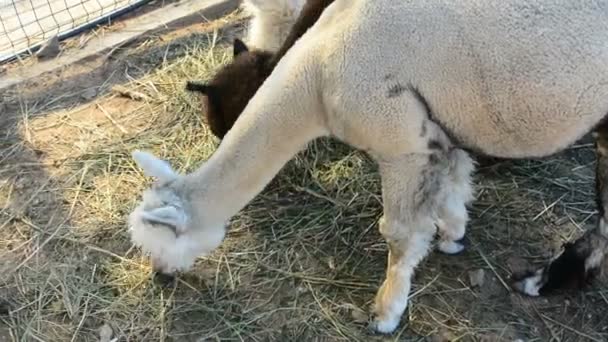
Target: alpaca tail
point(271, 22)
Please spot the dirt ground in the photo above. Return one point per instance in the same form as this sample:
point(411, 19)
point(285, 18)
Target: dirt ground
point(301, 262)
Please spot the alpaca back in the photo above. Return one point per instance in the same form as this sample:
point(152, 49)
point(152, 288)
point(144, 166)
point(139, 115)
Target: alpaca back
point(506, 78)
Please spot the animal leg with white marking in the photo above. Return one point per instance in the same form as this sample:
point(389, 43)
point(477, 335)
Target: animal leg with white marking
point(413, 190)
point(580, 260)
point(453, 215)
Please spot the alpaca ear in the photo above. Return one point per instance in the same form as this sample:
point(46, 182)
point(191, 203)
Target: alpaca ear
point(198, 87)
point(239, 47)
point(154, 167)
point(168, 216)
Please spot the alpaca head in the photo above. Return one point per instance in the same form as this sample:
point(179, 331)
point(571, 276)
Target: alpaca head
point(163, 224)
point(228, 93)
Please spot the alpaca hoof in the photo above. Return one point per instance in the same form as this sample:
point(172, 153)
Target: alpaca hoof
point(163, 279)
point(450, 247)
point(529, 283)
point(384, 325)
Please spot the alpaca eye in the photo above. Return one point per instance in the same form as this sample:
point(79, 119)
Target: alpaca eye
point(159, 222)
point(173, 229)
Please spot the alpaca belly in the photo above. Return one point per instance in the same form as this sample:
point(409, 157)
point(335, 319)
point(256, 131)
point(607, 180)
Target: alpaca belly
point(519, 136)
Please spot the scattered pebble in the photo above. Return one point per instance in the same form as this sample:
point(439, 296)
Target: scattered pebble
point(476, 277)
point(358, 315)
point(443, 335)
point(105, 333)
point(89, 93)
point(331, 263)
point(49, 49)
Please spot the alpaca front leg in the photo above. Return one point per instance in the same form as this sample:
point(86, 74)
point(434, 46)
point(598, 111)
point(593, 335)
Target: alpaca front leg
point(404, 255)
point(411, 194)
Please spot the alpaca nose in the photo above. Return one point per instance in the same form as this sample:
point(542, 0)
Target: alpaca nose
point(164, 279)
point(160, 275)
point(156, 265)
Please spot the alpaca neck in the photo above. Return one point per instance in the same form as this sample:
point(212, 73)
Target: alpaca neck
point(310, 13)
point(276, 124)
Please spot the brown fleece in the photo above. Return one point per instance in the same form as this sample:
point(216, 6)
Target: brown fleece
point(228, 93)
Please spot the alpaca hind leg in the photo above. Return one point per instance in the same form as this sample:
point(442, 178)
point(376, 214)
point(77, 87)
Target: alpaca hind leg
point(453, 215)
point(451, 226)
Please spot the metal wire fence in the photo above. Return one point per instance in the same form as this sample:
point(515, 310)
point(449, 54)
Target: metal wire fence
point(26, 24)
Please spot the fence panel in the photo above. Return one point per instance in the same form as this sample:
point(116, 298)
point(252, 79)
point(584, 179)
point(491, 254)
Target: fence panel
point(26, 24)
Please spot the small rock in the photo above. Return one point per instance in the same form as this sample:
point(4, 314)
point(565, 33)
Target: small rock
point(89, 93)
point(477, 277)
point(49, 49)
point(331, 263)
point(358, 315)
point(516, 264)
point(443, 335)
point(57, 306)
point(5, 307)
point(105, 333)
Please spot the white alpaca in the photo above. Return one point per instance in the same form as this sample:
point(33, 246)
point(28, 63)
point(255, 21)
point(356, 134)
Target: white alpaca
point(271, 22)
point(412, 83)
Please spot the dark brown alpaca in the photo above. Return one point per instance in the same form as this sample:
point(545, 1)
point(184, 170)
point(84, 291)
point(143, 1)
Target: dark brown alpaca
point(228, 93)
